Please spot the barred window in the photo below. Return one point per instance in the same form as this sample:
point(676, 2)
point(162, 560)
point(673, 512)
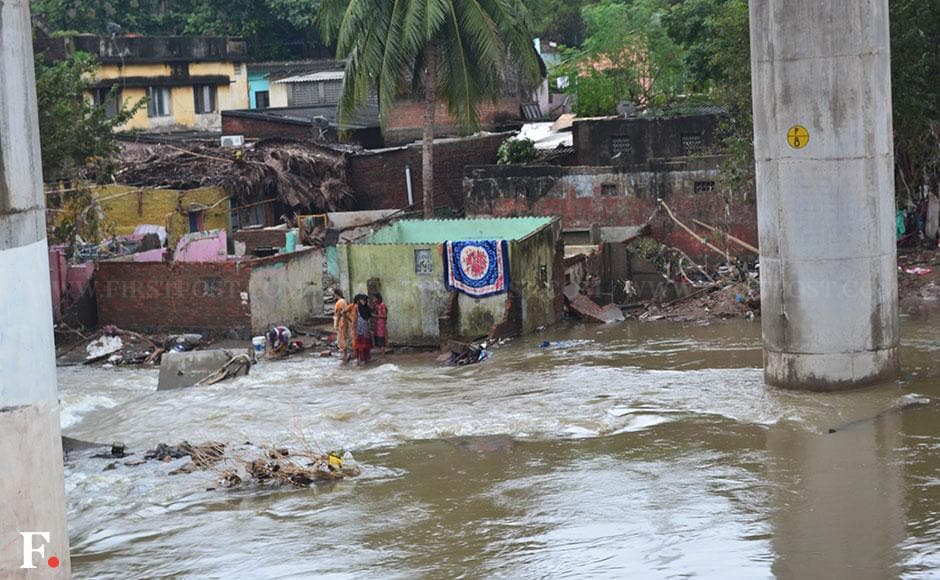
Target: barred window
point(620, 144)
point(704, 187)
point(692, 143)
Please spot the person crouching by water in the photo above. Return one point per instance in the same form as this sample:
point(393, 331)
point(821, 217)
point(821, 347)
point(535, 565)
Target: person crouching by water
point(363, 344)
point(380, 311)
point(278, 341)
point(342, 324)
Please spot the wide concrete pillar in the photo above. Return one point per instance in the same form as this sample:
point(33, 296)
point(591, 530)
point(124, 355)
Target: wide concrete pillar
point(825, 192)
point(32, 493)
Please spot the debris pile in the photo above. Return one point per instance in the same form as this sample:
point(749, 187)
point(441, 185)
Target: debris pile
point(466, 353)
point(919, 280)
point(303, 176)
point(281, 466)
point(111, 346)
point(246, 465)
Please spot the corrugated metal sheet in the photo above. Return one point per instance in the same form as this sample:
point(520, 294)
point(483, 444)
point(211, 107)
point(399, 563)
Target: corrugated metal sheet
point(331, 75)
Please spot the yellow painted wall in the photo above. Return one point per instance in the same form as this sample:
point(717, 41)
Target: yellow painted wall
point(231, 96)
point(127, 207)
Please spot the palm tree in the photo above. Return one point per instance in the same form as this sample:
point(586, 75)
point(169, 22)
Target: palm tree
point(451, 50)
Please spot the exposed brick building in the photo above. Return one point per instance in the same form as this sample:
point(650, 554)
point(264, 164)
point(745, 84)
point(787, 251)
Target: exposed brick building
point(624, 167)
point(236, 298)
point(380, 181)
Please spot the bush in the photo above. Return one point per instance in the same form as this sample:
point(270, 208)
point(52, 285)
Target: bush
point(516, 151)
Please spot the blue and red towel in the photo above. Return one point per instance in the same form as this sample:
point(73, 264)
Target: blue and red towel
point(477, 268)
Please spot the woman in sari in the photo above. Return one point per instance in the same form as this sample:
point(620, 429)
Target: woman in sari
point(342, 324)
point(363, 342)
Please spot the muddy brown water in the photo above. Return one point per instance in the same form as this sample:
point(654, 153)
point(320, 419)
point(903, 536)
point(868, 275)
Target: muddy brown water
point(628, 450)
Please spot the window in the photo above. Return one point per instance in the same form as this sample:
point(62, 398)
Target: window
point(620, 145)
point(204, 98)
point(158, 104)
point(609, 189)
point(304, 94)
point(111, 102)
point(262, 99)
point(197, 220)
point(704, 187)
point(692, 143)
point(424, 264)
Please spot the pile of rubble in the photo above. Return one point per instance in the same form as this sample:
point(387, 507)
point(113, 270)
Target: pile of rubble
point(245, 465)
point(111, 345)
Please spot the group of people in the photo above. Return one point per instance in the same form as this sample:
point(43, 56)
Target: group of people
point(363, 323)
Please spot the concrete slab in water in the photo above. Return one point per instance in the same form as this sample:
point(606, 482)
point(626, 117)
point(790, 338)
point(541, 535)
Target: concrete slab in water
point(185, 369)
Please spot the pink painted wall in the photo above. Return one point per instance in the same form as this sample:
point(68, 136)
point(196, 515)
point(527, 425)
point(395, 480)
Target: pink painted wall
point(57, 270)
point(67, 281)
point(209, 246)
point(77, 279)
point(150, 255)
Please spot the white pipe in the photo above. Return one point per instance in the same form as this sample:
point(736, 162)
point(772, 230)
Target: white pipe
point(411, 197)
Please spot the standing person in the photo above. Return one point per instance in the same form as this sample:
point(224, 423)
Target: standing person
point(381, 322)
point(363, 342)
point(341, 324)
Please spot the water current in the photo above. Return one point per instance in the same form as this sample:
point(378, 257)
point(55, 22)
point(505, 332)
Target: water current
point(621, 451)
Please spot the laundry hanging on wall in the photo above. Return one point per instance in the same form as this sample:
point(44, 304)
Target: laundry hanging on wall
point(477, 268)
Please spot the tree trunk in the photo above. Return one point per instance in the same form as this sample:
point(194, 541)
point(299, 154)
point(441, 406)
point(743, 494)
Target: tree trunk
point(427, 144)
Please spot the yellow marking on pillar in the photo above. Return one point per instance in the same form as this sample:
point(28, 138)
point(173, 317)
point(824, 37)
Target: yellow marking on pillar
point(798, 136)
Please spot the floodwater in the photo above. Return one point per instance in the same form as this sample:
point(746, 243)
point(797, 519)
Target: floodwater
point(629, 450)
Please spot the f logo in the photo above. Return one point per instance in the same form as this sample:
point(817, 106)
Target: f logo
point(29, 550)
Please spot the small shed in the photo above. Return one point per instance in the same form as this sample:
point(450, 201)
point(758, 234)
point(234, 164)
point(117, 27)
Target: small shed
point(464, 278)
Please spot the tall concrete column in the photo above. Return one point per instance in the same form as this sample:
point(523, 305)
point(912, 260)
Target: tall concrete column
point(32, 493)
point(825, 191)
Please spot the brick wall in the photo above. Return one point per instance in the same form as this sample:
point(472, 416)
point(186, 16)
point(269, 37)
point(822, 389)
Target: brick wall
point(619, 141)
point(263, 128)
point(378, 177)
point(254, 239)
point(405, 122)
point(608, 196)
point(159, 297)
point(221, 299)
point(256, 127)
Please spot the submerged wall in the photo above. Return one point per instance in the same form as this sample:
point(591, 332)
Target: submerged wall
point(286, 289)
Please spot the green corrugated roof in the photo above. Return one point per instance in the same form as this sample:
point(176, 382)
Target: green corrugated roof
point(437, 231)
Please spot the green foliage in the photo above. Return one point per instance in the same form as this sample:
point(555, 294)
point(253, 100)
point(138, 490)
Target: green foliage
point(628, 55)
point(273, 28)
point(516, 151)
point(650, 250)
point(597, 93)
point(693, 25)
point(915, 77)
point(386, 45)
point(74, 132)
point(729, 57)
point(79, 218)
point(559, 20)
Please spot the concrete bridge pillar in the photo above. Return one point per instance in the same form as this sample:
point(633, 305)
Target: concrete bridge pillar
point(32, 493)
point(825, 192)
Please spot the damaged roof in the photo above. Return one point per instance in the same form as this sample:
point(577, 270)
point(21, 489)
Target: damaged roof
point(301, 175)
